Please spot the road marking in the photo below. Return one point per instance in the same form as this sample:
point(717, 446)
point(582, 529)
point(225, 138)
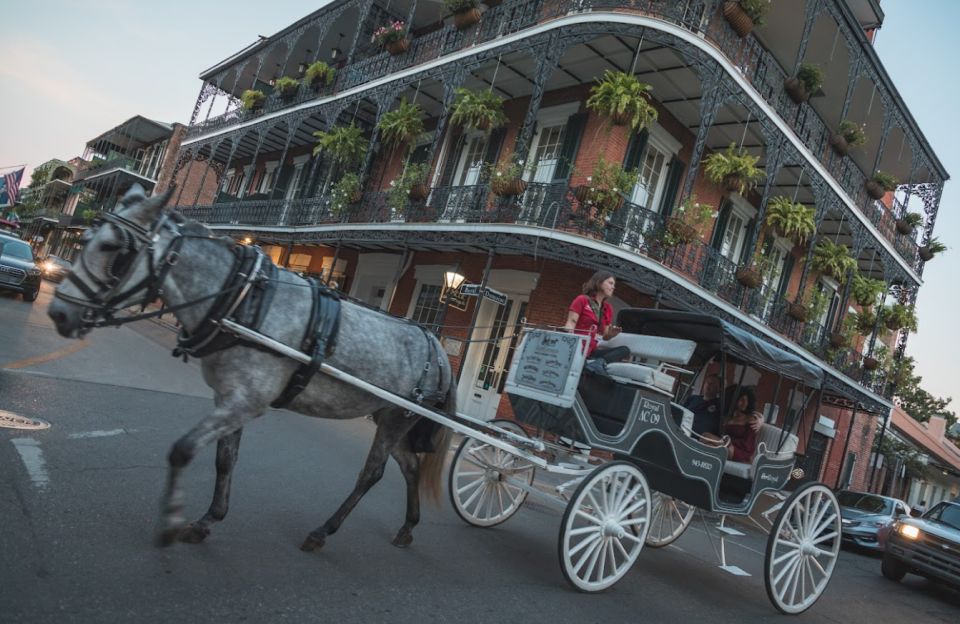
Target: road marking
point(32, 457)
point(96, 434)
point(48, 357)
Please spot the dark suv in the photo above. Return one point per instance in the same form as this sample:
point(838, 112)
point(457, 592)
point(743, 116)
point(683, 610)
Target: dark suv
point(928, 546)
point(18, 271)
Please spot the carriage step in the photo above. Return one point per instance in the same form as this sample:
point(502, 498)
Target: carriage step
point(730, 531)
point(735, 570)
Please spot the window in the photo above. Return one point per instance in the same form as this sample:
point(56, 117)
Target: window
point(547, 153)
point(649, 188)
point(269, 177)
point(471, 161)
point(244, 181)
point(732, 245)
point(428, 306)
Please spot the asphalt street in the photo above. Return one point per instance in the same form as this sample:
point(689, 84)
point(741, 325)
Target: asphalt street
point(79, 505)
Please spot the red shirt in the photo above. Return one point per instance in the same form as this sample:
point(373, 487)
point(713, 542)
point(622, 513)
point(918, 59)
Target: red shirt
point(743, 439)
point(587, 322)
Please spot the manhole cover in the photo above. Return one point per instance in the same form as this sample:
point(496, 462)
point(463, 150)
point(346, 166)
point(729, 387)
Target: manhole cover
point(10, 420)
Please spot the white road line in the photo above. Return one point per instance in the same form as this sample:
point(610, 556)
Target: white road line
point(97, 434)
point(32, 457)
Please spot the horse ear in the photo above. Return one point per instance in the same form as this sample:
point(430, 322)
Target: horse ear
point(154, 204)
point(134, 195)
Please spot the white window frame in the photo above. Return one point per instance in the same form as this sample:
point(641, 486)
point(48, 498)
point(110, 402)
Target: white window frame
point(244, 181)
point(268, 178)
point(744, 210)
point(548, 118)
point(462, 165)
point(299, 162)
point(659, 139)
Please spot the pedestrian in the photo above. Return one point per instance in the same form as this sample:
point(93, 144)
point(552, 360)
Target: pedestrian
point(590, 314)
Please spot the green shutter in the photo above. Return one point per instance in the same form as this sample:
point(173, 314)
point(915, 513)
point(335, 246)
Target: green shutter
point(494, 145)
point(785, 275)
point(747, 242)
point(721, 225)
point(570, 146)
point(638, 143)
point(446, 174)
point(279, 190)
point(674, 177)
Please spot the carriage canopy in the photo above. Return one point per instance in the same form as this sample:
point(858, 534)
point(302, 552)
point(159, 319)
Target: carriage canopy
point(714, 336)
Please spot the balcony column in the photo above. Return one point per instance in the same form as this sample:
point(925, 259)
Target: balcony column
point(777, 146)
point(256, 75)
point(452, 80)
point(811, 12)
point(853, 77)
point(714, 94)
point(203, 178)
point(232, 99)
point(261, 136)
point(821, 203)
point(364, 12)
point(383, 100)
point(548, 59)
point(410, 14)
point(860, 239)
point(186, 176)
point(206, 90)
point(291, 133)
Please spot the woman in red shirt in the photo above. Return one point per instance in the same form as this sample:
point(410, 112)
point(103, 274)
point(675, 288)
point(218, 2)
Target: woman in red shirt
point(591, 314)
point(741, 427)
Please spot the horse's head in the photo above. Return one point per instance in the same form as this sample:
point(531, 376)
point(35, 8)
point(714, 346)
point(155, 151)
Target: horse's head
point(120, 264)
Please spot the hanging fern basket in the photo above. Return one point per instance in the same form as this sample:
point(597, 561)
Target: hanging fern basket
point(874, 190)
point(503, 187)
point(925, 254)
point(681, 230)
point(870, 363)
point(839, 145)
point(795, 89)
point(903, 227)
point(465, 19)
point(797, 311)
point(738, 19)
point(418, 192)
point(749, 277)
point(838, 340)
point(733, 183)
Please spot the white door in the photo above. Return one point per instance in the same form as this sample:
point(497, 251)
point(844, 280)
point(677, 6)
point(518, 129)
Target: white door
point(489, 355)
point(462, 191)
point(733, 236)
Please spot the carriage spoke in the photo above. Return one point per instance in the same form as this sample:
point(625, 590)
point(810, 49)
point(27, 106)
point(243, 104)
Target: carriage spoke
point(629, 497)
point(786, 569)
point(590, 558)
point(584, 543)
point(823, 538)
point(589, 517)
point(593, 501)
point(623, 551)
point(634, 508)
point(824, 525)
point(602, 568)
point(471, 484)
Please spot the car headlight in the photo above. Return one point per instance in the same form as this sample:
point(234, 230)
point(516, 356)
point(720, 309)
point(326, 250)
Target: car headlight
point(49, 266)
point(908, 531)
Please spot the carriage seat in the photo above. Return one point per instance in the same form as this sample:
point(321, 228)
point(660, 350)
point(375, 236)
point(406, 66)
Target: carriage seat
point(767, 439)
point(655, 349)
point(640, 373)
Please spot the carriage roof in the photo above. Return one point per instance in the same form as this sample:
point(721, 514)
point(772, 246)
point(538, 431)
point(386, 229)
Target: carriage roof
point(714, 336)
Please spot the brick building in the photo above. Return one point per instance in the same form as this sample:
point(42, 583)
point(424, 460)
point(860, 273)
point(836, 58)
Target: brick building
point(247, 166)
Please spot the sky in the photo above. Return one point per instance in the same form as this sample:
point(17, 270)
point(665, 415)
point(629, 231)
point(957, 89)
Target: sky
point(71, 70)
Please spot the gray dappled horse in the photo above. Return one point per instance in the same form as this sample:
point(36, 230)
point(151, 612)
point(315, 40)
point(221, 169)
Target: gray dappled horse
point(142, 251)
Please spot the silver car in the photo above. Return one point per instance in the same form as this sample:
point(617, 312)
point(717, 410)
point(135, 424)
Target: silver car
point(864, 516)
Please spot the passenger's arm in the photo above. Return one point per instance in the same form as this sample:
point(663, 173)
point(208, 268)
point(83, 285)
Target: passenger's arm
point(572, 318)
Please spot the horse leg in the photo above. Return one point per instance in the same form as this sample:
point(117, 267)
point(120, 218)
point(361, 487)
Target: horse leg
point(222, 422)
point(409, 464)
point(392, 426)
point(227, 450)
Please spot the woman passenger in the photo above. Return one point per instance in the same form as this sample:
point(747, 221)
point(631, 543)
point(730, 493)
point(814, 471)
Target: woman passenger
point(740, 427)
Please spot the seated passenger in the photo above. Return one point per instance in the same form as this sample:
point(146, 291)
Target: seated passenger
point(706, 407)
point(591, 314)
point(741, 427)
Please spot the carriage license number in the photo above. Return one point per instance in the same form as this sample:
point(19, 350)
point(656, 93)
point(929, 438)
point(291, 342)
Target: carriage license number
point(651, 412)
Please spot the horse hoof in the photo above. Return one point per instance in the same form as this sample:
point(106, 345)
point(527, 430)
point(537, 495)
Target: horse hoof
point(312, 543)
point(193, 534)
point(166, 537)
point(402, 540)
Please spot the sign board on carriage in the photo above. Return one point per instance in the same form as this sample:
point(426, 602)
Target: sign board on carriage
point(547, 367)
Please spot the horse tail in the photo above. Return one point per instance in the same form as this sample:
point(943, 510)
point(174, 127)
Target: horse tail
point(431, 464)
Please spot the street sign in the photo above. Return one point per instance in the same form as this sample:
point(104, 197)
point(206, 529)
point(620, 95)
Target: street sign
point(474, 290)
point(470, 290)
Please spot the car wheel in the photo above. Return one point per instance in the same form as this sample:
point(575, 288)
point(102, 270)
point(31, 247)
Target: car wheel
point(892, 569)
point(31, 297)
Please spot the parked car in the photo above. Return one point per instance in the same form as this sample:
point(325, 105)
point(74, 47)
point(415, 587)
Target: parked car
point(55, 268)
point(18, 271)
point(865, 517)
point(928, 546)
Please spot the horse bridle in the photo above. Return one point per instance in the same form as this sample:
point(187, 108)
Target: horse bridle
point(104, 294)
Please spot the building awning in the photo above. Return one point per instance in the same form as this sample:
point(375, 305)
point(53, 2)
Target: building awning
point(919, 434)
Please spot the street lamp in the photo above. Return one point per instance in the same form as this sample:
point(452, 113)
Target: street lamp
point(452, 280)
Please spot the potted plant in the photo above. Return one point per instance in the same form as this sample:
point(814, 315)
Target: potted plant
point(465, 12)
point(864, 321)
point(506, 179)
point(735, 169)
point(906, 224)
point(880, 184)
point(287, 87)
point(848, 135)
point(752, 275)
point(410, 185)
point(319, 75)
point(844, 337)
point(346, 144)
point(393, 37)
point(89, 214)
point(809, 78)
point(745, 14)
point(878, 359)
point(865, 290)
point(686, 223)
point(480, 110)
point(932, 248)
point(253, 99)
point(605, 187)
point(622, 99)
point(811, 309)
point(833, 260)
point(791, 220)
point(402, 125)
point(348, 190)
point(899, 316)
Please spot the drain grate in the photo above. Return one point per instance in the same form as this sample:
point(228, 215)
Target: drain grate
point(9, 420)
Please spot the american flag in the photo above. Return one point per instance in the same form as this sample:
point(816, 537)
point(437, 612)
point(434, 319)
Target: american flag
point(9, 186)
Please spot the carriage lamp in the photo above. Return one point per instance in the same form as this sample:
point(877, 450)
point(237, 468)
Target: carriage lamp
point(452, 280)
point(909, 531)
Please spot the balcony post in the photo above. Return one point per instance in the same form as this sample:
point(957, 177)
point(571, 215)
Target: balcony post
point(205, 92)
point(859, 243)
point(451, 81)
point(714, 94)
point(777, 147)
point(548, 60)
point(821, 213)
point(362, 16)
point(203, 178)
point(886, 126)
point(236, 81)
point(811, 12)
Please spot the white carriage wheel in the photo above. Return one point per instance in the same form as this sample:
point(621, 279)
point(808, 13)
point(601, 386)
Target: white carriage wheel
point(479, 487)
point(669, 518)
point(802, 548)
point(604, 526)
